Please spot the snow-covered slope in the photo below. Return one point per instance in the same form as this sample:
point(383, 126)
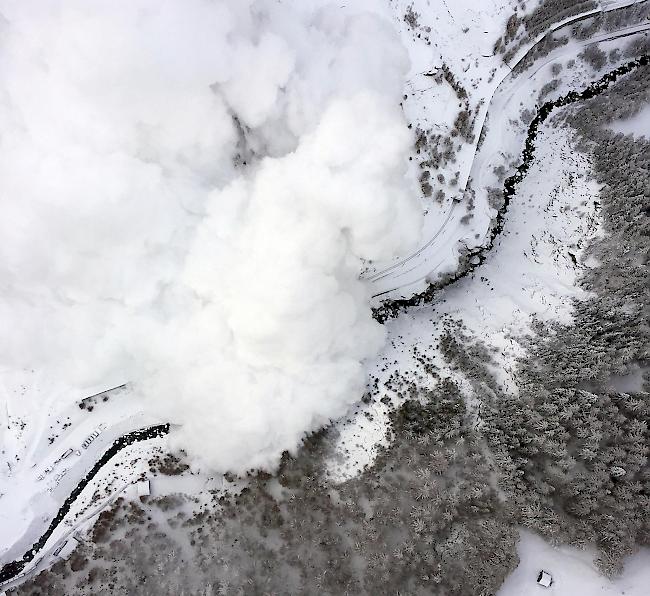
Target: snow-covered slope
point(486, 89)
point(573, 572)
point(456, 85)
point(531, 272)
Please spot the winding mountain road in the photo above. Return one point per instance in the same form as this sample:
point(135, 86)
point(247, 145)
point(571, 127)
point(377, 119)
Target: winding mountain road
point(404, 278)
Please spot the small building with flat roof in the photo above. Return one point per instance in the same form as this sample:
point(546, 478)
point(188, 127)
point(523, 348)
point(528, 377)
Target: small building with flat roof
point(544, 579)
point(143, 488)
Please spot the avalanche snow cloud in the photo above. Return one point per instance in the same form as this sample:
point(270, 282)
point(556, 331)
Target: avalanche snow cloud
point(188, 190)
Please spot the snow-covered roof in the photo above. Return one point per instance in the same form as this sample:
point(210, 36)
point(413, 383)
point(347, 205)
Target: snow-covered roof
point(143, 487)
point(544, 579)
point(64, 550)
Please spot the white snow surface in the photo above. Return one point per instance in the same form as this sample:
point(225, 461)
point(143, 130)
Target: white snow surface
point(462, 37)
point(136, 246)
point(574, 572)
point(39, 479)
point(529, 272)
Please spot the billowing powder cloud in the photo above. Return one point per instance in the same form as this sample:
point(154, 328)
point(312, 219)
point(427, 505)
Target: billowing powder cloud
point(188, 192)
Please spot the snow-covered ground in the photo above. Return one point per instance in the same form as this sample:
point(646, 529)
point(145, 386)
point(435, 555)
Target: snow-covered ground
point(47, 472)
point(573, 571)
point(531, 271)
point(116, 479)
point(505, 131)
point(494, 93)
point(460, 35)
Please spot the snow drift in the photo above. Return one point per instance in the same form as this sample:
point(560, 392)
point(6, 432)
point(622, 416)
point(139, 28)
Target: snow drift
point(188, 192)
